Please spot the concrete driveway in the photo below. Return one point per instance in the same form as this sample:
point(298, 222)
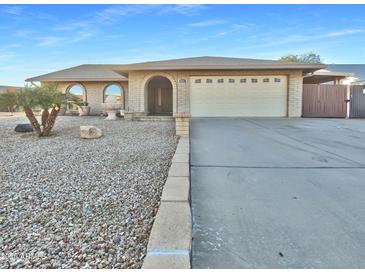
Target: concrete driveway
point(278, 193)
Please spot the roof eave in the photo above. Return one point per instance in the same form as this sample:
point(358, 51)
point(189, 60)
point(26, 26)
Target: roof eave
point(304, 67)
point(76, 80)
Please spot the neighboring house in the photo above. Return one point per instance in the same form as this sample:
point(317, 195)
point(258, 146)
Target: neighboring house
point(324, 76)
point(4, 89)
point(197, 87)
point(357, 69)
point(358, 83)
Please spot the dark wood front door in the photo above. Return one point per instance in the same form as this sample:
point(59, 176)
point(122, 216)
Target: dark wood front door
point(160, 101)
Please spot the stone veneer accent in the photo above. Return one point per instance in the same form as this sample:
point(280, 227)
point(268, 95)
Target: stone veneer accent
point(182, 124)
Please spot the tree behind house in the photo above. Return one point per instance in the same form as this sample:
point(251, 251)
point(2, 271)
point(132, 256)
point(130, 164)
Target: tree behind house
point(310, 58)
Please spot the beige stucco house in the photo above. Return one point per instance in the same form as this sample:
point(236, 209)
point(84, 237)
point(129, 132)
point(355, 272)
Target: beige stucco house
point(193, 87)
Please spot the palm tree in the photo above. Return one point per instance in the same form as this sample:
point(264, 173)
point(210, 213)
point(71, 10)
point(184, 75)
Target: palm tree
point(47, 97)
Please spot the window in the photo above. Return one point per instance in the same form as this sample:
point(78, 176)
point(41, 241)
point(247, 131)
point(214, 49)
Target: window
point(209, 81)
point(277, 80)
point(182, 81)
point(253, 80)
point(266, 80)
point(198, 81)
point(220, 80)
point(79, 94)
point(114, 90)
point(243, 80)
point(231, 80)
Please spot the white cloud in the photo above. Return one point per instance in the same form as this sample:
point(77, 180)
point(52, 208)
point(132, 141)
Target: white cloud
point(51, 41)
point(111, 13)
point(73, 26)
point(235, 28)
point(4, 56)
point(7, 53)
point(344, 32)
point(23, 33)
point(81, 35)
point(9, 46)
point(325, 35)
point(188, 9)
point(207, 23)
point(13, 10)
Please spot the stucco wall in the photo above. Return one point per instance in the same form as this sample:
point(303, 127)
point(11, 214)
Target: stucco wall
point(94, 92)
point(181, 81)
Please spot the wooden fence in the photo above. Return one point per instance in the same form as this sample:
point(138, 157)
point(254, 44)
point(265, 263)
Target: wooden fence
point(326, 101)
point(357, 104)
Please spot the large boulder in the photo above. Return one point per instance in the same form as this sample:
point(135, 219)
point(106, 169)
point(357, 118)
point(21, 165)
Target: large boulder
point(24, 128)
point(90, 132)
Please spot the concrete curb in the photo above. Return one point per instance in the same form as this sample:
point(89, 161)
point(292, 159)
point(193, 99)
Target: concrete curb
point(169, 245)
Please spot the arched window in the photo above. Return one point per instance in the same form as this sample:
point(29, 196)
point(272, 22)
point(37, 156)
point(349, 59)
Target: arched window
point(114, 90)
point(78, 91)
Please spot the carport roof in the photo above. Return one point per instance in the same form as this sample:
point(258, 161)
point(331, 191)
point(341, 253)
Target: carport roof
point(323, 76)
point(117, 72)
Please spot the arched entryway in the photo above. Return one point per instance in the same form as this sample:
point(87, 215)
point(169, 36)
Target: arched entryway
point(159, 96)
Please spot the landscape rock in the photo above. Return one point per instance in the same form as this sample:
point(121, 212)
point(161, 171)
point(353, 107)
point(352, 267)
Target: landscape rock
point(24, 128)
point(90, 132)
point(67, 203)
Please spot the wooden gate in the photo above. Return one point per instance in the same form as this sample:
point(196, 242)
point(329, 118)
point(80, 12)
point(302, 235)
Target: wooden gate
point(357, 103)
point(326, 101)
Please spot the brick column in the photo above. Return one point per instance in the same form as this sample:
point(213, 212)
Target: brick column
point(182, 124)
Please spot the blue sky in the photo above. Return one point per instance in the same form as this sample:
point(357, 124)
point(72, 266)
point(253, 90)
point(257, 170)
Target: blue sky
point(37, 39)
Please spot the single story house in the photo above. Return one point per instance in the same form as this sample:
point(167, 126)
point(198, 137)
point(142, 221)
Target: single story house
point(357, 69)
point(193, 87)
point(4, 89)
point(358, 83)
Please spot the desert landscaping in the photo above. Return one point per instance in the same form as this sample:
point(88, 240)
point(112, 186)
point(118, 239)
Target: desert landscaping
point(68, 202)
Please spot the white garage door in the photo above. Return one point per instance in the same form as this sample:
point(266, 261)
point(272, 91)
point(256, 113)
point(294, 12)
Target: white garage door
point(255, 96)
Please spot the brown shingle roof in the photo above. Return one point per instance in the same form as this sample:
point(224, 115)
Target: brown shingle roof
point(114, 72)
point(224, 63)
point(82, 73)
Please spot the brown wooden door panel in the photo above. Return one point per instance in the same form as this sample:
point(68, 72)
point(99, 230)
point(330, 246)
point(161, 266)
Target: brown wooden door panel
point(327, 101)
point(160, 101)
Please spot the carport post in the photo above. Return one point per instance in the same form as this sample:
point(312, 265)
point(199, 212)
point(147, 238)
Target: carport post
point(348, 101)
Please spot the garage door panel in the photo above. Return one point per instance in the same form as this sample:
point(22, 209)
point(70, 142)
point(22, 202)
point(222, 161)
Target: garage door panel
point(239, 99)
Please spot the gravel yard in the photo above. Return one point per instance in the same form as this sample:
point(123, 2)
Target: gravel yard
point(67, 202)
